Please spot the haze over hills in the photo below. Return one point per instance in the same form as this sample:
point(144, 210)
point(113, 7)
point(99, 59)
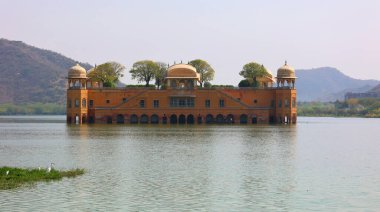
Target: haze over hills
point(29, 75)
point(328, 84)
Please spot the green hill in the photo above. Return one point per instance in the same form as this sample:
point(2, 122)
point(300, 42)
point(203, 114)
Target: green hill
point(32, 75)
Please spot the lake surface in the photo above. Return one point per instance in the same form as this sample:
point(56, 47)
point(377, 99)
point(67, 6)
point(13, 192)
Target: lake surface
point(319, 164)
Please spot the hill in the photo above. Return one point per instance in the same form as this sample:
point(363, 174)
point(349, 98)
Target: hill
point(328, 84)
point(375, 89)
point(29, 74)
point(32, 75)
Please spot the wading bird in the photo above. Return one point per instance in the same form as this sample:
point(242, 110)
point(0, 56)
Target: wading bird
point(6, 173)
point(50, 167)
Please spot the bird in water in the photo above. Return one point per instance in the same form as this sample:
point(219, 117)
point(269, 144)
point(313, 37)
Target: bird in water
point(7, 172)
point(50, 167)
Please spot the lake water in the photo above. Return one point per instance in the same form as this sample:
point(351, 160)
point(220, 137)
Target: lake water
point(319, 164)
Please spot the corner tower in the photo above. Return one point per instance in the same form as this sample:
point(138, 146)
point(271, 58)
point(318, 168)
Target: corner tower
point(286, 102)
point(77, 95)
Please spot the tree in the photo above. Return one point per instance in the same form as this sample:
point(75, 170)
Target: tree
point(107, 73)
point(160, 73)
point(204, 69)
point(244, 83)
point(207, 85)
point(144, 71)
point(253, 70)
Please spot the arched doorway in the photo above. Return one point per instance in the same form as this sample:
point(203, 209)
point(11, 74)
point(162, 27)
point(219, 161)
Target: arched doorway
point(144, 119)
point(199, 119)
point(209, 119)
point(154, 119)
point(69, 119)
point(91, 120)
point(120, 119)
point(76, 119)
point(219, 119)
point(230, 119)
point(254, 120)
point(182, 119)
point(190, 119)
point(243, 119)
point(84, 119)
point(109, 119)
point(173, 119)
point(272, 120)
point(134, 119)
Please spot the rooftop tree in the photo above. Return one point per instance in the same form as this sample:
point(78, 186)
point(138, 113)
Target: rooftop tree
point(204, 69)
point(108, 73)
point(144, 71)
point(251, 71)
point(160, 73)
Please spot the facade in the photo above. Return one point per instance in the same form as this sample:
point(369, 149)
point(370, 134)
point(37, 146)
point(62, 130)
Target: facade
point(182, 101)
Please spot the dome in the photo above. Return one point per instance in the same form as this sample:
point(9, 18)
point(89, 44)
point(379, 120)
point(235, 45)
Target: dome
point(182, 71)
point(77, 71)
point(286, 71)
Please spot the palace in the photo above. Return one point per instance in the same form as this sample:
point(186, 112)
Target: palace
point(182, 101)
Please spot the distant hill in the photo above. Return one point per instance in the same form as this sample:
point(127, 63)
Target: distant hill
point(376, 89)
point(33, 75)
point(328, 84)
point(29, 74)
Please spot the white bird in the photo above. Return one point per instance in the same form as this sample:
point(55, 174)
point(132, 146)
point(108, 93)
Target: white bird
point(50, 167)
point(6, 173)
point(39, 168)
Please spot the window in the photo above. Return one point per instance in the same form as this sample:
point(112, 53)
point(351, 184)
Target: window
point(156, 103)
point(108, 101)
point(255, 101)
point(69, 103)
point(221, 102)
point(142, 103)
point(294, 103)
point(91, 103)
point(77, 103)
point(279, 103)
point(83, 102)
point(181, 102)
point(273, 103)
point(125, 100)
point(286, 103)
point(207, 103)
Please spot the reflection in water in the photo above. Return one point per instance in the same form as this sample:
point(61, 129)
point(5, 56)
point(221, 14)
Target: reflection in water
point(205, 167)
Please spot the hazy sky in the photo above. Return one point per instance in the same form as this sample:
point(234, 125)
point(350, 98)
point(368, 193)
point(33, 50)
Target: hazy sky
point(228, 34)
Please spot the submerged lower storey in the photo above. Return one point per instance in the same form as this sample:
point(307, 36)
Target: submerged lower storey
point(140, 106)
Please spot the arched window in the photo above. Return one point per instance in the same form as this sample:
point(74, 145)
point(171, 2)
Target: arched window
point(76, 102)
point(243, 119)
point(173, 83)
point(69, 103)
point(83, 102)
point(76, 84)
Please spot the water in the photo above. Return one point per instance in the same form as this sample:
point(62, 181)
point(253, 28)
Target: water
point(319, 164)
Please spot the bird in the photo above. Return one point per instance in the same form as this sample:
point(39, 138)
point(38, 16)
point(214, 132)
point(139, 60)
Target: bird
point(6, 173)
point(50, 167)
point(39, 168)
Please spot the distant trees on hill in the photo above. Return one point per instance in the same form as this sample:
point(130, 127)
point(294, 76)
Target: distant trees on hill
point(353, 107)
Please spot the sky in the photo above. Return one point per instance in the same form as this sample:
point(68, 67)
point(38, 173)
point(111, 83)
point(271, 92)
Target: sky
point(227, 34)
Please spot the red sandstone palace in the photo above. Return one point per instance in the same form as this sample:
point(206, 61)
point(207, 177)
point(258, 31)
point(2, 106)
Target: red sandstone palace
point(182, 102)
